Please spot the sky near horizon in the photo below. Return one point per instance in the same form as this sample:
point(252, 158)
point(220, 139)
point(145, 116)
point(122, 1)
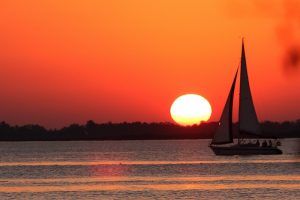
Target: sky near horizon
point(71, 61)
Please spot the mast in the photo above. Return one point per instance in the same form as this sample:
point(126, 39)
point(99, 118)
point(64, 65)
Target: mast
point(248, 121)
point(223, 134)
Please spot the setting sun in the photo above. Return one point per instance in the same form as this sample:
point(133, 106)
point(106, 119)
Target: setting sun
point(190, 109)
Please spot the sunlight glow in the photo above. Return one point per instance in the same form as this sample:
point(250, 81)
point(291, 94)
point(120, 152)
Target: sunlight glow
point(190, 109)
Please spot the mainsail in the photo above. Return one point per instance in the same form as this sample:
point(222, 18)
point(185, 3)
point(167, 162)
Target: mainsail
point(248, 122)
point(223, 135)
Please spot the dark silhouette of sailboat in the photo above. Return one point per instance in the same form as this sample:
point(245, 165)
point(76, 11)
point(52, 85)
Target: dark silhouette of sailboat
point(222, 142)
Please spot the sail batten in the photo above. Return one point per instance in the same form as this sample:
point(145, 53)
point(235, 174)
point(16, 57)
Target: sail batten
point(223, 134)
point(248, 121)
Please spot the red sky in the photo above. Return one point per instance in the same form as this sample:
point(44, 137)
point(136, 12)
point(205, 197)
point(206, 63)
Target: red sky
point(71, 61)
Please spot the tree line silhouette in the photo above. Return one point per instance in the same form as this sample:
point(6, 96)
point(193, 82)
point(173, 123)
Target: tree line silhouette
point(134, 131)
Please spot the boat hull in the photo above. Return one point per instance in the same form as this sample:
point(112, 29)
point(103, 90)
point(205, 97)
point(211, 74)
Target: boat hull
point(245, 150)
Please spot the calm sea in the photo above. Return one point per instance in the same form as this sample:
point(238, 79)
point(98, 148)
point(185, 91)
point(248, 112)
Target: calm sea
point(168, 169)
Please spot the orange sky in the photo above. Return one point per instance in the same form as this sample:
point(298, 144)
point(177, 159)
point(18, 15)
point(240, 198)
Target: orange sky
point(71, 61)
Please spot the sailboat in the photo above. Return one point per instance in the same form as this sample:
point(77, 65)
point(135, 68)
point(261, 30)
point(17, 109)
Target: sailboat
point(223, 142)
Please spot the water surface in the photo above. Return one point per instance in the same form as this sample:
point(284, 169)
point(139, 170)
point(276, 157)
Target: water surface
point(166, 169)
